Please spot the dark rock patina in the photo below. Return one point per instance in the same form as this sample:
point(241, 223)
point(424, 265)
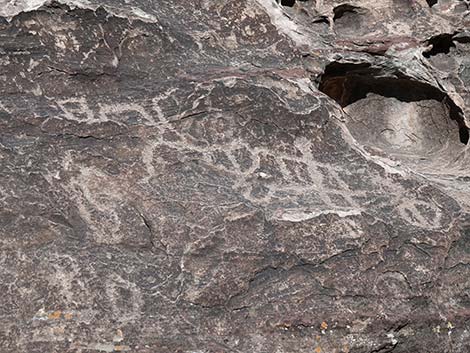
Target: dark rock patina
point(234, 176)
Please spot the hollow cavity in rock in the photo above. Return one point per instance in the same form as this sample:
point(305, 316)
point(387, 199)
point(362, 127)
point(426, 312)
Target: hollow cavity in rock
point(342, 10)
point(288, 3)
point(441, 44)
point(397, 116)
point(350, 20)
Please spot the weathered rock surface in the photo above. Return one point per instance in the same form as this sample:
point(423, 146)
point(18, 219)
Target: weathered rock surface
point(234, 176)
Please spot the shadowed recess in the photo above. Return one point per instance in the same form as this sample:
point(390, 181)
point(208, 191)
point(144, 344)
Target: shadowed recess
point(441, 44)
point(349, 83)
point(431, 3)
point(341, 10)
point(288, 3)
point(321, 19)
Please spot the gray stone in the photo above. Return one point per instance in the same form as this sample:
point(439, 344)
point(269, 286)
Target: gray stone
point(234, 176)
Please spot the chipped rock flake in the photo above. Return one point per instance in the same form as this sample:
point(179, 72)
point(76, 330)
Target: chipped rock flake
point(108, 347)
point(393, 340)
point(300, 215)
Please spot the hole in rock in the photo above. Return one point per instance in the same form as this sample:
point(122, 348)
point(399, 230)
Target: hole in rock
point(351, 20)
point(396, 116)
point(321, 19)
point(464, 134)
point(440, 44)
point(462, 37)
point(342, 10)
point(431, 3)
point(288, 3)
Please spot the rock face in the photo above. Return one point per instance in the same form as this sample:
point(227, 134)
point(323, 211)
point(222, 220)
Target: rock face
point(234, 176)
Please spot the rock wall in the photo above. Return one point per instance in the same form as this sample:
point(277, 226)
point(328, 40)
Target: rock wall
point(234, 176)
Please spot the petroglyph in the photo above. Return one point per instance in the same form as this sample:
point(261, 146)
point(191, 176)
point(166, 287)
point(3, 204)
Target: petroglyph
point(223, 176)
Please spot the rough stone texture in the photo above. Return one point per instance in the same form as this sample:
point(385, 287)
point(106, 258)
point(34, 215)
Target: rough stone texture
point(234, 176)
